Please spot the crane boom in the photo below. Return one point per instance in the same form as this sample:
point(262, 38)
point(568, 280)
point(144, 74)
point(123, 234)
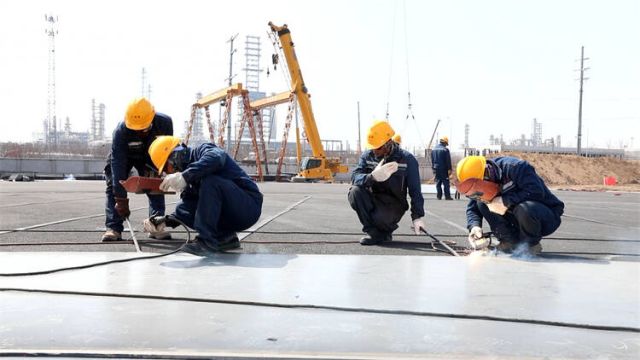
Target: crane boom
point(317, 167)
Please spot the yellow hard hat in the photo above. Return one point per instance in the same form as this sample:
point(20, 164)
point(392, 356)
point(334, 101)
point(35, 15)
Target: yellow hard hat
point(445, 139)
point(379, 133)
point(139, 114)
point(397, 138)
point(471, 167)
point(161, 148)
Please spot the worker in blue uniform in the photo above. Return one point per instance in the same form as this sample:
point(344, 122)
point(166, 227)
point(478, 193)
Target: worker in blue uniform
point(441, 166)
point(380, 182)
point(131, 140)
point(217, 197)
point(507, 192)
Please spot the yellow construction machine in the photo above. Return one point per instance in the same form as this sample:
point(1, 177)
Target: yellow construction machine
point(317, 167)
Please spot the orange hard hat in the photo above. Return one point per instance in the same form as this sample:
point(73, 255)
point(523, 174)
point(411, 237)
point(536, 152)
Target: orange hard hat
point(471, 167)
point(139, 114)
point(379, 133)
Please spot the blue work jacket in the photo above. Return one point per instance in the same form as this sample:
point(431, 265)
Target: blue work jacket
point(208, 159)
point(440, 161)
point(518, 182)
point(130, 147)
point(406, 178)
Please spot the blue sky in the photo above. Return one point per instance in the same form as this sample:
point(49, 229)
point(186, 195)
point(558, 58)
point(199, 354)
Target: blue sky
point(494, 65)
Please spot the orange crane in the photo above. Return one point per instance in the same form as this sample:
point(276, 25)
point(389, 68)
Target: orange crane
point(318, 166)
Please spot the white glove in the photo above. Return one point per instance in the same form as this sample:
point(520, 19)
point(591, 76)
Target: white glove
point(173, 181)
point(474, 235)
point(150, 228)
point(383, 172)
point(418, 225)
point(497, 206)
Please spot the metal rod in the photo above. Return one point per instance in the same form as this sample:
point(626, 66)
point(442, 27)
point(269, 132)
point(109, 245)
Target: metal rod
point(133, 235)
point(441, 243)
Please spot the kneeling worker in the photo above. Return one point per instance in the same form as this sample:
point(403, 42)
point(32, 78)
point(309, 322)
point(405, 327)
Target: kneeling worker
point(515, 201)
point(217, 197)
point(379, 186)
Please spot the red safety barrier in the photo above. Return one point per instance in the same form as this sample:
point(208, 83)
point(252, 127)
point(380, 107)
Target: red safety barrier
point(610, 180)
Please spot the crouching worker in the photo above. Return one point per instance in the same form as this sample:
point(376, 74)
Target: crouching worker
point(217, 198)
point(379, 186)
point(515, 201)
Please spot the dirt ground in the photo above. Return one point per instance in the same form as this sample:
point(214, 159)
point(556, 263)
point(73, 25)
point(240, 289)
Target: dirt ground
point(581, 173)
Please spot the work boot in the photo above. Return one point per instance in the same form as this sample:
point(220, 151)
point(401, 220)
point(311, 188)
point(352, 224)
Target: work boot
point(373, 238)
point(111, 235)
point(199, 248)
point(160, 235)
point(505, 247)
point(229, 242)
point(448, 198)
point(535, 249)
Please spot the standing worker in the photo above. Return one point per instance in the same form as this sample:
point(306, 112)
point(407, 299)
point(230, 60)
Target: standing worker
point(379, 186)
point(217, 198)
point(515, 201)
point(131, 140)
point(441, 166)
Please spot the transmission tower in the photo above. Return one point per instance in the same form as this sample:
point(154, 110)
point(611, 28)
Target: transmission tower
point(51, 136)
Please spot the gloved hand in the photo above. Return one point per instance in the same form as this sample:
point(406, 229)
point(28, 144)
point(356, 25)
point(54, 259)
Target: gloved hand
point(173, 181)
point(497, 206)
point(474, 235)
point(150, 227)
point(122, 207)
point(418, 225)
point(165, 220)
point(383, 171)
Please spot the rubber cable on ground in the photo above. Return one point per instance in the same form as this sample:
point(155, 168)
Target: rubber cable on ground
point(335, 308)
point(86, 266)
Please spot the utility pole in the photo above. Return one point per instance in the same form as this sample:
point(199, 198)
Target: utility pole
point(582, 79)
point(359, 140)
point(230, 79)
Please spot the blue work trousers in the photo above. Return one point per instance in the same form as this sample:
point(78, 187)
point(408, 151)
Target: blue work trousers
point(378, 213)
point(219, 207)
point(113, 220)
point(526, 222)
point(440, 182)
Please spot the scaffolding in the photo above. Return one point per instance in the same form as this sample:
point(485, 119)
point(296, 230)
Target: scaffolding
point(252, 69)
point(227, 94)
point(197, 136)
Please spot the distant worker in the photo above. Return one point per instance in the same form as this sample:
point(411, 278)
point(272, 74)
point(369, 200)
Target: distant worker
point(379, 186)
point(131, 140)
point(441, 166)
point(217, 198)
point(397, 139)
point(515, 201)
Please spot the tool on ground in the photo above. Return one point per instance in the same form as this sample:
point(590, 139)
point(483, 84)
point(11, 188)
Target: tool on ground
point(453, 252)
point(482, 243)
point(143, 185)
point(133, 235)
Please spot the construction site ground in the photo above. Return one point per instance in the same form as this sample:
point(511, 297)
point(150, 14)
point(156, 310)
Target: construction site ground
point(302, 286)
